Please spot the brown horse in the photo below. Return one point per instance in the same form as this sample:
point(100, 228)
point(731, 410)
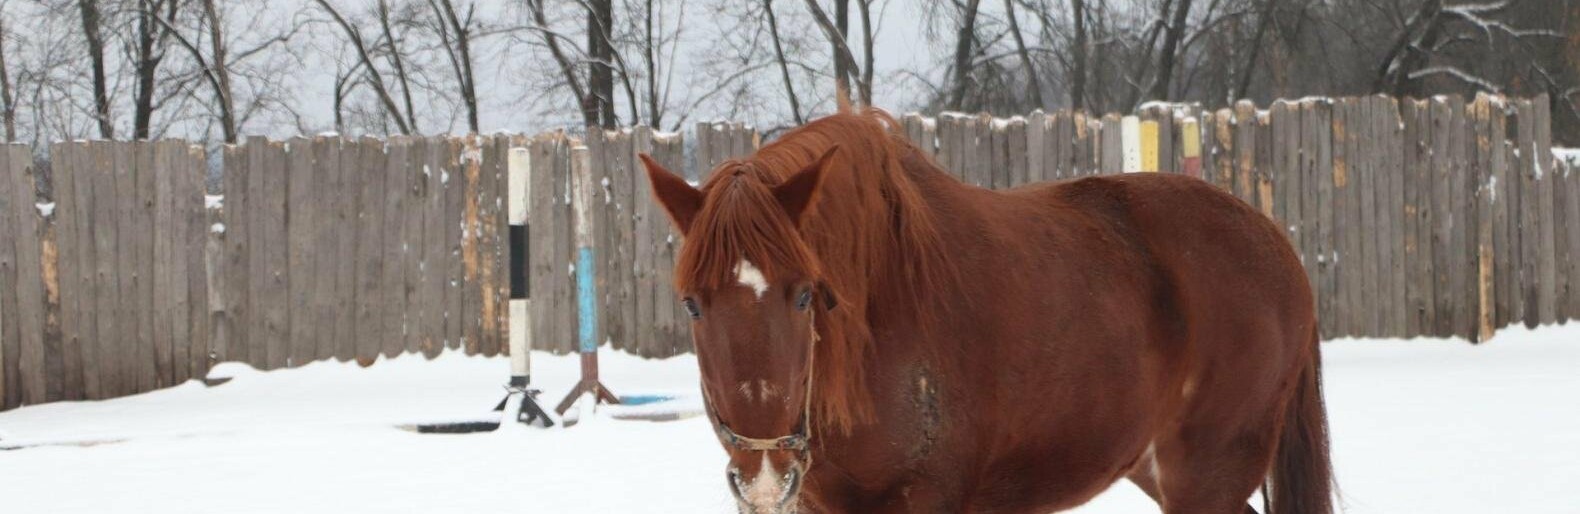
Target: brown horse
point(875, 336)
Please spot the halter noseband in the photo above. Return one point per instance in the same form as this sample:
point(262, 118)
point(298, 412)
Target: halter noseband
point(793, 442)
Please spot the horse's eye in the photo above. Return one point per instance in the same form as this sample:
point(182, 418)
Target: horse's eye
point(691, 308)
point(804, 301)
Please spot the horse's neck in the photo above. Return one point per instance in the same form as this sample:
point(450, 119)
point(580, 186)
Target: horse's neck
point(943, 202)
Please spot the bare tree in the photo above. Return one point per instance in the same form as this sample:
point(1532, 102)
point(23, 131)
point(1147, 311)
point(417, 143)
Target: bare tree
point(845, 66)
point(151, 40)
point(1269, 11)
point(601, 54)
point(551, 39)
point(1080, 50)
point(1408, 51)
point(784, 65)
point(841, 31)
point(965, 38)
point(7, 95)
point(374, 77)
point(91, 22)
point(345, 84)
point(1034, 83)
point(1171, 44)
point(393, 49)
point(868, 59)
point(455, 35)
point(656, 63)
point(215, 68)
point(219, 71)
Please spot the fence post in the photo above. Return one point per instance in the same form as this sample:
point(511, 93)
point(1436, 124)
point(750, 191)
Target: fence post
point(1130, 144)
point(1148, 135)
point(1481, 123)
point(1572, 223)
point(21, 283)
point(1542, 168)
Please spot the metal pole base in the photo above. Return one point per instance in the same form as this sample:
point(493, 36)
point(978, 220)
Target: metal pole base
point(600, 393)
point(530, 412)
point(588, 384)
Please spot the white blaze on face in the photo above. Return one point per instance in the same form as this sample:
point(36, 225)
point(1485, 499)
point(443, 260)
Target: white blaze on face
point(765, 490)
point(749, 276)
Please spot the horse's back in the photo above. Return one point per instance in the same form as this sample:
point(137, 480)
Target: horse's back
point(1237, 285)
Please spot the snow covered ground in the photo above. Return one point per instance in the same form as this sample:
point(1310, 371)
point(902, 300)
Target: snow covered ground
point(1419, 426)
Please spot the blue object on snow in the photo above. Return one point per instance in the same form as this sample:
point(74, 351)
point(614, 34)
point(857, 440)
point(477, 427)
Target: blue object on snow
point(644, 399)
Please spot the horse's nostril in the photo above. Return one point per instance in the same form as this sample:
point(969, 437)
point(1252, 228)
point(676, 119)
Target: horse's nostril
point(792, 485)
point(734, 478)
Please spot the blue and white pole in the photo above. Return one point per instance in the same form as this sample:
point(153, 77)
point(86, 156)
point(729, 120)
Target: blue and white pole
point(584, 199)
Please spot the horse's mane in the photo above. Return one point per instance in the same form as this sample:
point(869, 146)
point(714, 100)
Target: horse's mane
point(868, 236)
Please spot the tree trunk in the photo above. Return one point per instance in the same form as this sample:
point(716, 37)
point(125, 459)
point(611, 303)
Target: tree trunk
point(220, 67)
point(91, 20)
point(865, 7)
point(1166, 59)
point(1078, 71)
point(459, 50)
point(215, 70)
point(151, 37)
point(341, 91)
point(1405, 55)
point(375, 80)
point(655, 112)
point(963, 45)
point(844, 60)
point(567, 68)
point(1135, 92)
point(1033, 83)
point(399, 64)
point(600, 23)
point(1249, 71)
point(784, 66)
point(841, 27)
point(463, 38)
point(7, 98)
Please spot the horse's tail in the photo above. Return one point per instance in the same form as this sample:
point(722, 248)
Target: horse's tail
point(1301, 480)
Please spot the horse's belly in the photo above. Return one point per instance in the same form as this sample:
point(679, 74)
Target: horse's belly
point(1071, 450)
point(1050, 481)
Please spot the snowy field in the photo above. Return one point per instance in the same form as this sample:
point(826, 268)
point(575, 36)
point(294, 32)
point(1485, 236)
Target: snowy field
point(1422, 426)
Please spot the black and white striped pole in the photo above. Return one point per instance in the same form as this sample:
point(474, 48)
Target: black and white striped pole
point(521, 397)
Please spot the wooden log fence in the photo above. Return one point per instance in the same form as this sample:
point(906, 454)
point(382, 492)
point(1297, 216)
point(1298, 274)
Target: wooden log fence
point(1436, 217)
point(132, 277)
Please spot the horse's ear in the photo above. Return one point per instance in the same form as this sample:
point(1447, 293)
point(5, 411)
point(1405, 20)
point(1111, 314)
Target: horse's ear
point(678, 198)
point(797, 193)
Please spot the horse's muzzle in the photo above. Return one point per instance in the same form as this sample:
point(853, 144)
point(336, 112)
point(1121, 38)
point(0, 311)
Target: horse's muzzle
point(769, 492)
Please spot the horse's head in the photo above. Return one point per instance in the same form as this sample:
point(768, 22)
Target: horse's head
point(753, 289)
